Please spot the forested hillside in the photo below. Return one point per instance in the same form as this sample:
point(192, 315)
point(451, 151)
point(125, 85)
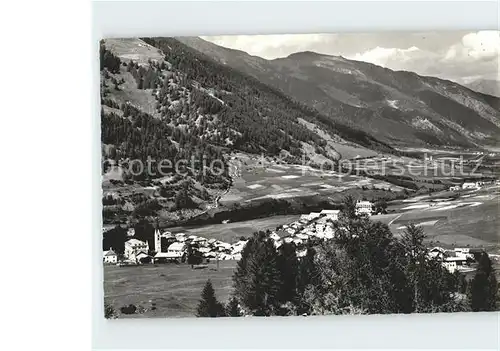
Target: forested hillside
point(163, 101)
point(265, 117)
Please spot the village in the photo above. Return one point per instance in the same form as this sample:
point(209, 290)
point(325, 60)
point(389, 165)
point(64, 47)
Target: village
point(314, 226)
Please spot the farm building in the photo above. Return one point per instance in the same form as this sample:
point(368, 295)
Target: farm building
point(110, 256)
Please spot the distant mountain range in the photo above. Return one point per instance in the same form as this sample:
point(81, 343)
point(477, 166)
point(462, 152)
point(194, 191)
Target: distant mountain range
point(400, 108)
point(485, 86)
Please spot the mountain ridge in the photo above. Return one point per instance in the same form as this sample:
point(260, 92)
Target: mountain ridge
point(401, 108)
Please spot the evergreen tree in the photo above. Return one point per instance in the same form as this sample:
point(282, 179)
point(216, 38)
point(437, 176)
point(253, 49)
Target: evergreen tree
point(257, 279)
point(233, 308)
point(208, 305)
point(308, 275)
point(364, 269)
point(349, 207)
point(288, 266)
point(433, 287)
point(193, 255)
point(140, 83)
point(115, 238)
point(483, 288)
point(412, 241)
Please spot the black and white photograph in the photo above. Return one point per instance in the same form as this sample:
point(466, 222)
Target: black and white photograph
point(300, 174)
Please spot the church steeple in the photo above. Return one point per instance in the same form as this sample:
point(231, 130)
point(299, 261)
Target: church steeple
point(157, 240)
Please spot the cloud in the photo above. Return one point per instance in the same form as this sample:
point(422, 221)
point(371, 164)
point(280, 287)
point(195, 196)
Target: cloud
point(391, 57)
point(475, 46)
point(272, 46)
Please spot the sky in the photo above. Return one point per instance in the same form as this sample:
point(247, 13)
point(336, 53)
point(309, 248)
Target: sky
point(461, 56)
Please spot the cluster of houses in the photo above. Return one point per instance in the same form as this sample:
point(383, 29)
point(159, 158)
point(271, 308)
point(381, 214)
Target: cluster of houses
point(315, 225)
point(458, 259)
point(471, 185)
point(173, 247)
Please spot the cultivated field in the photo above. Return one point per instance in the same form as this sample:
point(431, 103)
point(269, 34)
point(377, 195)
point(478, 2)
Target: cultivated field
point(257, 179)
point(175, 289)
point(471, 219)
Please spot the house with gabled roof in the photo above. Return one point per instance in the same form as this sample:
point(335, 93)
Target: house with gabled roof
point(110, 256)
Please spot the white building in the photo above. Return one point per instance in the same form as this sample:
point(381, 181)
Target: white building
point(110, 257)
point(451, 260)
point(204, 250)
point(302, 236)
point(314, 215)
point(470, 185)
point(332, 215)
point(319, 228)
point(274, 236)
point(288, 239)
point(238, 247)
point(133, 249)
point(454, 263)
point(297, 241)
point(302, 253)
point(180, 237)
point(329, 233)
point(304, 218)
point(174, 252)
point(436, 252)
point(463, 253)
point(364, 208)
